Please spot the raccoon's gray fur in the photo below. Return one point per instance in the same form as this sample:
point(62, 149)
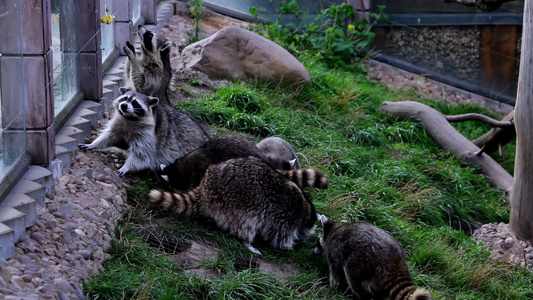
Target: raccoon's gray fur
point(152, 133)
point(276, 147)
point(249, 199)
point(149, 74)
point(368, 260)
point(187, 172)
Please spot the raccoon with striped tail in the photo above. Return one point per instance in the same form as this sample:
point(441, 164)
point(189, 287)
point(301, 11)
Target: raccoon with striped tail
point(152, 133)
point(150, 73)
point(249, 199)
point(368, 260)
point(279, 149)
point(187, 172)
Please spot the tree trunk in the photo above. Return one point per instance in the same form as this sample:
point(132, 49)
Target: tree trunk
point(449, 138)
point(522, 192)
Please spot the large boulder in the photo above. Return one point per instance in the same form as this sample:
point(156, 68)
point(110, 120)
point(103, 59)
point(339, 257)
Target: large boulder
point(234, 52)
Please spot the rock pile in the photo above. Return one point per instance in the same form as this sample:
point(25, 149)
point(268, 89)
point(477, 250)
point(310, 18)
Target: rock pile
point(505, 245)
point(444, 49)
point(71, 237)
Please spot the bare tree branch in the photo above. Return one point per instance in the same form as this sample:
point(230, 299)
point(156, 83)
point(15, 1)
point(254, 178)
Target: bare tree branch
point(479, 117)
point(496, 138)
point(449, 138)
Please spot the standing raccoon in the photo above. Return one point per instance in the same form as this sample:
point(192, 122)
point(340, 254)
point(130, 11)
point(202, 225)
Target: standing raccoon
point(368, 260)
point(248, 198)
point(278, 148)
point(150, 74)
point(152, 133)
point(187, 172)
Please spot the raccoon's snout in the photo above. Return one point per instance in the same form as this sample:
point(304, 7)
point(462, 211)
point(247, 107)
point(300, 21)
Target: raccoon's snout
point(124, 107)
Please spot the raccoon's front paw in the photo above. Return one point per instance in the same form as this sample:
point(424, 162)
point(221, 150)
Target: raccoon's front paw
point(129, 50)
point(84, 146)
point(121, 172)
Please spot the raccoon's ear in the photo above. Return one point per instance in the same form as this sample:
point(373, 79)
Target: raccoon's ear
point(323, 219)
point(123, 90)
point(292, 162)
point(152, 101)
point(166, 45)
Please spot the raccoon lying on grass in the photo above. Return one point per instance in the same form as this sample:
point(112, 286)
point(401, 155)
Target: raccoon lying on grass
point(280, 150)
point(152, 133)
point(368, 260)
point(248, 198)
point(187, 172)
point(149, 74)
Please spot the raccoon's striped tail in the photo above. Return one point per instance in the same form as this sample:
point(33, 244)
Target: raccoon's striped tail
point(307, 178)
point(181, 203)
point(404, 289)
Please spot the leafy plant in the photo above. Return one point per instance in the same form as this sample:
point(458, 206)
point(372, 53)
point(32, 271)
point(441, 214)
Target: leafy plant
point(330, 36)
point(196, 8)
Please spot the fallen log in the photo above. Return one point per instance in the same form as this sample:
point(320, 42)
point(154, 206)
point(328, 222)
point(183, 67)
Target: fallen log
point(446, 136)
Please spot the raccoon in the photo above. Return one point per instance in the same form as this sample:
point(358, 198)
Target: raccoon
point(249, 199)
point(152, 133)
point(276, 147)
point(150, 74)
point(368, 260)
point(187, 172)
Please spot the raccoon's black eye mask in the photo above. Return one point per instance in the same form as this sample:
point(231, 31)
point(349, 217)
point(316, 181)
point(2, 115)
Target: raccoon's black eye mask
point(147, 40)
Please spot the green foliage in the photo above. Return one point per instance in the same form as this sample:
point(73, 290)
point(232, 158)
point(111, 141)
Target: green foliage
point(232, 108)
point(329, 36)
point(196, 8)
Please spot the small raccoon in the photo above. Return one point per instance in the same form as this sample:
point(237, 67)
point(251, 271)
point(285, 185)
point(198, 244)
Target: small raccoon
point(187, 172)
point(150, 74)
point(276, 147)
point(152, 133)
point(368, 260)
point(249, 199)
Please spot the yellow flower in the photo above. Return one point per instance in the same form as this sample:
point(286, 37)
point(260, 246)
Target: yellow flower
point(107, 19)
point(351, 27)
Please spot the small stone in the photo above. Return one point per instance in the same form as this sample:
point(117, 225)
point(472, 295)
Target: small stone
point(85, 253)
point(506, 246)
point(37, 236)
point(106, 247)
point(89, 173)
point(27, 277)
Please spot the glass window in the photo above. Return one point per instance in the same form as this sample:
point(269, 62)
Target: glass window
point(136, 10)
point(107, 30)
point(65, 52)
point(462, 45)
point(12, 108)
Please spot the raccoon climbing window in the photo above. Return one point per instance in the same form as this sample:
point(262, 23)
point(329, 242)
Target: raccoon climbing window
point(107, 31)
point(12, 93)
point(66, 80)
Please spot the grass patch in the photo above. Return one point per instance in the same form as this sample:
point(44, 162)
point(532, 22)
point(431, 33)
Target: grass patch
point(381, 170)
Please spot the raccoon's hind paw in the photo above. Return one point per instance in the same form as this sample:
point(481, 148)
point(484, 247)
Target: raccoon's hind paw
point(83, 146)
point(252, 249)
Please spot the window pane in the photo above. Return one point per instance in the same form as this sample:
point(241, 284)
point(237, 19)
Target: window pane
point(12, 109)
point(65, 52)
point(136, 10)
point(107, 30)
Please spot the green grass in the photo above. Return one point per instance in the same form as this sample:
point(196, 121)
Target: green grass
point(381, 170)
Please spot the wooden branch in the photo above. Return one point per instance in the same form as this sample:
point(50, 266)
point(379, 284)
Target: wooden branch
point(479, 117)
point(450, 139)
point(496, 138)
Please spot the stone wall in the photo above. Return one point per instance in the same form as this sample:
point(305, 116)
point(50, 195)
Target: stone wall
point(453, 51)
